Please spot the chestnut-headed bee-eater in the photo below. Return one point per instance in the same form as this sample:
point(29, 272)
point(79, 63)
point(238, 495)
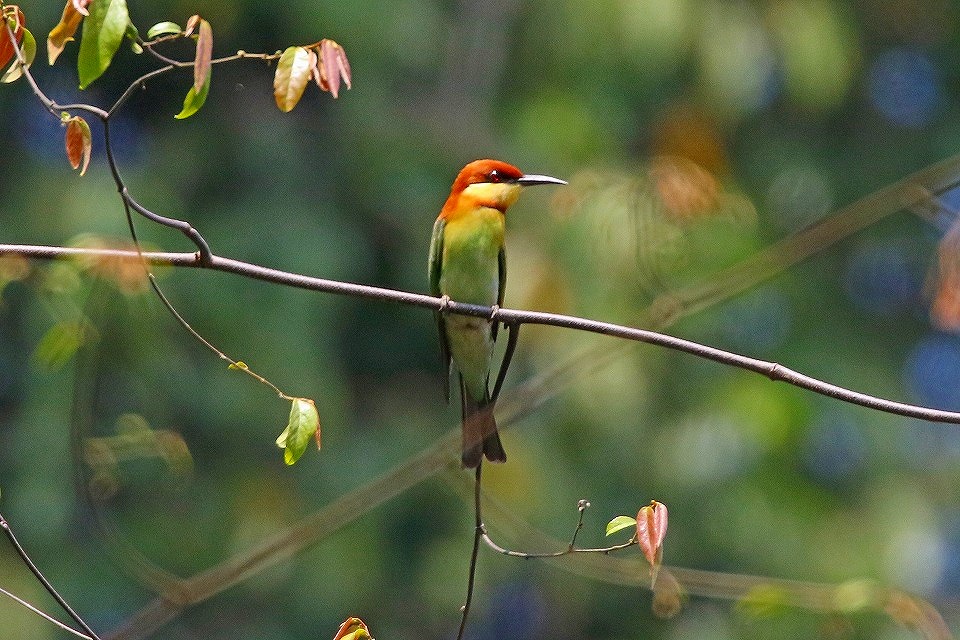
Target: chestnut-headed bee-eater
point(468, 264)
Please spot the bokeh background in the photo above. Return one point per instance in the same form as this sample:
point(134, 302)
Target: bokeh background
point(693, 133)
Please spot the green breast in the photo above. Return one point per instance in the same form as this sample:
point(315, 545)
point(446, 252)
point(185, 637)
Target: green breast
point(470, 269)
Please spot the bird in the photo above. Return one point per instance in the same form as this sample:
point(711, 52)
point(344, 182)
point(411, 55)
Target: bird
point(468, 264)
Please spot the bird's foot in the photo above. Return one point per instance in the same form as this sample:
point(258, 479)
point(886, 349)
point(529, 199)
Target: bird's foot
point(444, 303)
point(495, 313)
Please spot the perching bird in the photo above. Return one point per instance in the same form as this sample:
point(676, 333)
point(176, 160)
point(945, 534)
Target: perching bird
point(468, 264)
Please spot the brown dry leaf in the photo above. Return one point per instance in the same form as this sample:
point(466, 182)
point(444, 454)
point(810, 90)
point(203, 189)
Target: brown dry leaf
point(192, 24)
point(78, 143)
point(945, 310)
point(686, 190)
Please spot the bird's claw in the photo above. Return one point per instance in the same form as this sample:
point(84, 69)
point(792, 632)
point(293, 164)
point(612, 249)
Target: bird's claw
point(494, 312)
point(444, 303)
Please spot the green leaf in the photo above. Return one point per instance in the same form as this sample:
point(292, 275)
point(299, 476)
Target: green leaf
point(291, 78)
point(60, 343)
point(29, 47)
point(194, 100)
point(239, 365)
point(132, 34)
point(619, 523)
point(163, 29)
point(103, 31)
point(304, 424)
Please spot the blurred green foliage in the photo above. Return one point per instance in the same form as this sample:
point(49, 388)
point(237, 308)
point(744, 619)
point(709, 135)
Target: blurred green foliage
point(693, 134)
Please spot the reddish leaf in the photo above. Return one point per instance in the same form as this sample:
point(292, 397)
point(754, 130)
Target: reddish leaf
point(17, 21)
point(651, 529)
point(201, 65)
point(344, 65)
point(192, 24)
point(28, 51)
point(316, 71)
point(81, 6)
point(333, 66)
point(78, 143)
point(61, 34)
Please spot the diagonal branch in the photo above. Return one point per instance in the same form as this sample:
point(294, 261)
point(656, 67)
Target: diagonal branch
point(8, 531)
point(772, 370)
point(45, 616)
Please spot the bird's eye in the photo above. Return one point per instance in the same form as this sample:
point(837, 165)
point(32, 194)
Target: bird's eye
point(494, 176)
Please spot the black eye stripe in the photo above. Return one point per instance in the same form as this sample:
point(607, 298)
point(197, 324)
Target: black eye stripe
point(494, 176)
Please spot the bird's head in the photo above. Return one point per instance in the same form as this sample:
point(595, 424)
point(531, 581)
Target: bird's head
point(493, 183)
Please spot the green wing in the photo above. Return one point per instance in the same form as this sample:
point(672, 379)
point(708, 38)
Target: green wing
point(435, 264)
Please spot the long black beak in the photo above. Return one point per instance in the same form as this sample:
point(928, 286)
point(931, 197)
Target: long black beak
point(530, 180)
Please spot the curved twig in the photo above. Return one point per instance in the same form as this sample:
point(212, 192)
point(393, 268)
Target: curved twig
point(570, 548)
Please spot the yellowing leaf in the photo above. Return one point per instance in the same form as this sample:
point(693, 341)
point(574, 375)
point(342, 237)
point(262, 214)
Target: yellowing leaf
point(619, 523)
point(291, 77)
point(194, 100)
point(78, 143)
point(61, 34)
point(29, 48)
point(201, 64)
point(103, 31)
point(303, 424)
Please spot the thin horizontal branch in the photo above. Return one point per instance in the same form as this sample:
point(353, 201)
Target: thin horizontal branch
point(772, 370)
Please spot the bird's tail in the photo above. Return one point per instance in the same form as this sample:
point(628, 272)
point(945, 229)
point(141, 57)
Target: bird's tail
point(480, 435)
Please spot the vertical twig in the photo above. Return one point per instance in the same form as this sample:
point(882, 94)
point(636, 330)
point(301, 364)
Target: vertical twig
point(513, 333)
point(477, 533)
